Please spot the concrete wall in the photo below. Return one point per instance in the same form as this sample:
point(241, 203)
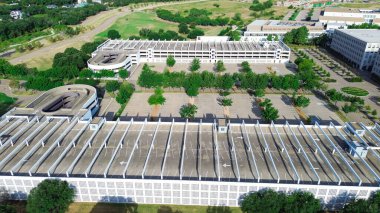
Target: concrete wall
point(180, 192)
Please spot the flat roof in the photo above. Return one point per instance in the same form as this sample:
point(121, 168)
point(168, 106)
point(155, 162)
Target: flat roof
point(262, 25)
point(185, 150)
point(366, 35)
point(66, 100)
point(350, 10)
point(133, 46)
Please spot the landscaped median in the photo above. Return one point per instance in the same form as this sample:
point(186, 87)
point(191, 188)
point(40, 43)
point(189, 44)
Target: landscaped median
point(355, 91)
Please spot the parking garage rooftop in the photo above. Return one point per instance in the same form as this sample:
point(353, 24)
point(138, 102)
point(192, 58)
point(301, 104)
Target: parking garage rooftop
point(132, 46)
point(67, 100)
point(275, 153)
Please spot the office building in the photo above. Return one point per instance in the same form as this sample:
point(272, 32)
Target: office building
point(259, 30)
point(358, 46)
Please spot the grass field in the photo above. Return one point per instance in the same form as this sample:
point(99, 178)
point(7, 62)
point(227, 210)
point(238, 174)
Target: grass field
point(361, 5)
point(131, 24)
point(143, 208)
point(355, 91)
point(137, 208)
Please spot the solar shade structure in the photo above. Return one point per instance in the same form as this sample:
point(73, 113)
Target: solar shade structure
point(185, 162)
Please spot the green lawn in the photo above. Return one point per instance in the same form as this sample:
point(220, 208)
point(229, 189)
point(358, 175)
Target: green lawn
point(355, 91)
point(361, 5)
point(144, 208)
point(131, 24)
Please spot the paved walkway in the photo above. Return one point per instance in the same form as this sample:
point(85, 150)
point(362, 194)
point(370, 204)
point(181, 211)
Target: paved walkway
point(371, 87)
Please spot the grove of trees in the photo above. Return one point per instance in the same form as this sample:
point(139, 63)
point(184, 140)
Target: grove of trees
point(160, 35)
point(297, 36)
point(303, 79)
point(38, 18)
point(196, 16)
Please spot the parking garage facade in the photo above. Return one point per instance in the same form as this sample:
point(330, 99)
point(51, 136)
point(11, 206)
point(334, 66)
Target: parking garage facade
point(189, 163)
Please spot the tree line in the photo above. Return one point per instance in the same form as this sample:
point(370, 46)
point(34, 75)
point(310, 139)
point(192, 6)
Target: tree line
point(195, 16)
point(46, 18)
point(305, 79)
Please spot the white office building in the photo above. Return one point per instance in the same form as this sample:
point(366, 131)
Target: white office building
point(358, 46)
point(117, 54)
point(376, 65)
point(349, 16)
point(259, 30)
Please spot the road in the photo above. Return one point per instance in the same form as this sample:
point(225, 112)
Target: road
point(100, 22)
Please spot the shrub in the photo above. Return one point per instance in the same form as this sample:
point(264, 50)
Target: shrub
point(301, 101)
point(188, 111)
point(349, 108)
point(113, 34)
point(259, 93)
point(355, 91)
point(112, 86)
point(195, 65)
point(91, 82)
point(125, 92)
point(123, 73)
point(355, 79)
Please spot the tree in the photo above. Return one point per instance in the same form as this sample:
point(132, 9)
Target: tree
point(90, 47)
point(123, 73)
point(157, 98)
point(113, 34)
point(288, 38)
point(372, 205)
point(259, 92)
point(263, 201)
point(245, 67)
point(112, 86)
point(182, 28)
point(334, 95)
point(86, 73)
point(192, 91)
point(301, 101)
point(224, 82)
point(300, 201)
point(188, 111)
point(195, 65)
point(71, 57)
point(194, 33)
point(220, 66)
point(270, 113)
point(170, 61)
point(266, 103)
point(225, 102)
point(301, 35)
point(374, 112)
point(125, 92)
point(51, 195)
point(270, 37)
